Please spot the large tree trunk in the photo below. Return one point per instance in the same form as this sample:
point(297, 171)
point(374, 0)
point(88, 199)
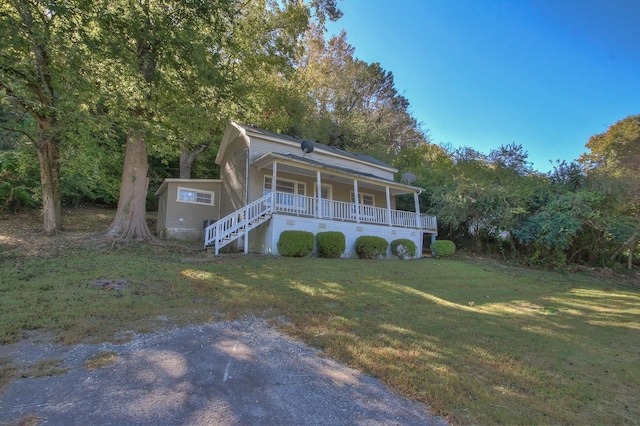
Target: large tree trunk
point(48, 148)
point(49, 157)
point(130, 222)
point(186, 160)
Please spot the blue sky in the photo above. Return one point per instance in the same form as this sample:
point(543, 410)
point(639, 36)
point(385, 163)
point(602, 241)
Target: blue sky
point(546, 74)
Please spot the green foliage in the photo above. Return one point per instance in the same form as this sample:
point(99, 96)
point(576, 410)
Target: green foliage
point(295, 243)
point(559, 221)
point(371, 247)
point(331, 244)
point(17, 182)
point(443, 248)
point(352, 104)
point(403, 248)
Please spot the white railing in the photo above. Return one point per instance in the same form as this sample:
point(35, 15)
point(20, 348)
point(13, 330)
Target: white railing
point(236, 221)
point(301, 205)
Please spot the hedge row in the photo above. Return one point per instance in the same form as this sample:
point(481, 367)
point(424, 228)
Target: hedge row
point(332, 244)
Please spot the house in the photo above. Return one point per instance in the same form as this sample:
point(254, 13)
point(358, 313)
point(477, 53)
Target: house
point(270, 183)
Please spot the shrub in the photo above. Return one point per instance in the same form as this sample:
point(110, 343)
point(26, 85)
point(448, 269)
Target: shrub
point(370, 247)
point(16, 182)
point(403, 248)
point(443, 248)
point(295, 243)
point(330, 244)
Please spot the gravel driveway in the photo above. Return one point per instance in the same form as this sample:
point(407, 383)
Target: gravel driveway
point(231, 373)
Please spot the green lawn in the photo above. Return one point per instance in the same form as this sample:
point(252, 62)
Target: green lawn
point(479, 342)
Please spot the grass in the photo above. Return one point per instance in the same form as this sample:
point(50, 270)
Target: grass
point(100, 360)
point(481, 343)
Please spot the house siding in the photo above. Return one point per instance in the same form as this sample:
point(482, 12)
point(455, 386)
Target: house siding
point(161, 222)
point(185, 220)
point(232, 173)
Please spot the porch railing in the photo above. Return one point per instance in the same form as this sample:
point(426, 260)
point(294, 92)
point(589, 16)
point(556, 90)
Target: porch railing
point(300, 205)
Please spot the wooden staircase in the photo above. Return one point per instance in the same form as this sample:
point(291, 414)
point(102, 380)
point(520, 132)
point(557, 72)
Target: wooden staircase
point(238, 224)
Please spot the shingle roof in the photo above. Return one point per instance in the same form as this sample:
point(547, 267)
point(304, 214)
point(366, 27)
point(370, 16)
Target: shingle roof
point(316, 144)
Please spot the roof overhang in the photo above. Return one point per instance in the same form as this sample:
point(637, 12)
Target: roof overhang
point(167, 181)
point(248, 132)
point(298, 164)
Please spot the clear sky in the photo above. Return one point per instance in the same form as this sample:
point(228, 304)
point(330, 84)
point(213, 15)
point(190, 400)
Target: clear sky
point(546, 74)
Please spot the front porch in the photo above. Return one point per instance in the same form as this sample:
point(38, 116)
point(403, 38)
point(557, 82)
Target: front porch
point(286, 191)
point(339, 193)
point(331, 210)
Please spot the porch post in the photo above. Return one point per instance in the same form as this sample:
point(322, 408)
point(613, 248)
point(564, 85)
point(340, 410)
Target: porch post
point(389, 207)
point(319, 195)
point(418, 220)
point(274, 179)
point(356, 198)
point(246, 229)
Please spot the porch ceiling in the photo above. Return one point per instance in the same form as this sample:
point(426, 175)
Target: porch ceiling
point(302, 166)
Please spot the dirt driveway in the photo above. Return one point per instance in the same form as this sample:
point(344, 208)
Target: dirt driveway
point(231, 373)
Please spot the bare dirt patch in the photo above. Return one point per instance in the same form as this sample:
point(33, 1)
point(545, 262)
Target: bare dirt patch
point(21, 233)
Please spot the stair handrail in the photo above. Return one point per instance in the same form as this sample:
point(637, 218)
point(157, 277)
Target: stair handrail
point(236, 220)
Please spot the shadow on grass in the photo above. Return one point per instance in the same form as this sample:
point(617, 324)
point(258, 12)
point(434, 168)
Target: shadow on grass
point(478, 346)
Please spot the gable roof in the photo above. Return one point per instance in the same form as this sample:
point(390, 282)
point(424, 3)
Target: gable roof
point(257, 132)
point(316, 145)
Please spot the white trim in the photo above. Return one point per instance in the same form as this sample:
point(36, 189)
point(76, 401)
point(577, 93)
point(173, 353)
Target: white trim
point(165, 183)
point(278, 178)
point(329, 188)
point(197, 192)
point(361, 196)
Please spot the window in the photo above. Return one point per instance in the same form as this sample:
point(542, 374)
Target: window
point(363, 199)
point(284, 185)
point(195, 196)
point(290, 192)
point(326, 191)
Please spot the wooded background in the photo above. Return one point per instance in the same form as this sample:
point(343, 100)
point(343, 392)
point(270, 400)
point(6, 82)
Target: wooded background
point(102, 100)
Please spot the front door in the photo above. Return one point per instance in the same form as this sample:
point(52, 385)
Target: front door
point(326, 203)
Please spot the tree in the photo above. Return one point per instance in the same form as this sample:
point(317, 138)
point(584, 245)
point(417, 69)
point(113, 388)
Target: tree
point(511, 157)
point(148, 52)
point(164, 66)
point(353, 105)
point(613, 166)
point(38, 74)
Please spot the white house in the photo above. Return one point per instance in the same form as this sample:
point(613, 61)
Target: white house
point(270, 183)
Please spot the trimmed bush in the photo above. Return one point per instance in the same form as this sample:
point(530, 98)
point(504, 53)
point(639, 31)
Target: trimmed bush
point(370, 247)
point(295, 243)
point(403, 248)
point(443, 248)
point(330, 244)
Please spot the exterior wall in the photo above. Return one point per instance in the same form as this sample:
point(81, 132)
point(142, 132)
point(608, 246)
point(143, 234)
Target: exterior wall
point(232, 173)
point(185, 220)
point(162, 214)
point(266, 241)
point(261, 147)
